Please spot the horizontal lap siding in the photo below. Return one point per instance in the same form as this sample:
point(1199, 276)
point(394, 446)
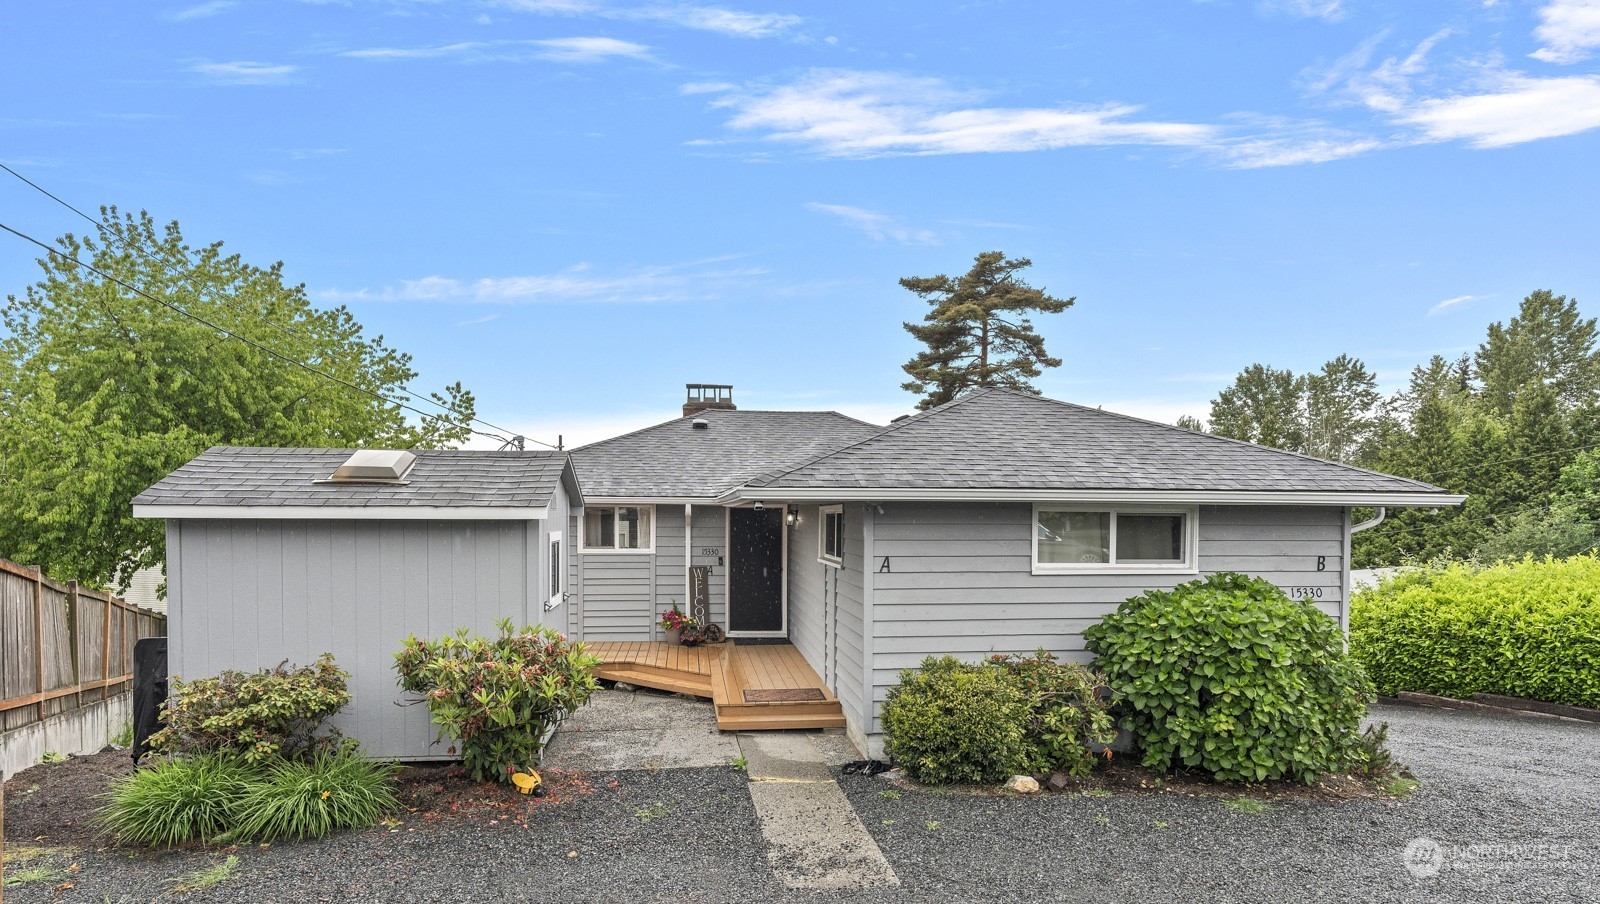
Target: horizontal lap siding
point(622, 594)
point(250, 594)
point(961, 582)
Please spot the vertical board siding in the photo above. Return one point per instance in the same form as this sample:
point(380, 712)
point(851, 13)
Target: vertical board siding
point(825, 608)
point(809, 582)
point(249, 594)
point(961, 581)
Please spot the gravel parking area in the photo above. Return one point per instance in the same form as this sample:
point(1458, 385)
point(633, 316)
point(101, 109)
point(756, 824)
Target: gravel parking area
point(1525, 792)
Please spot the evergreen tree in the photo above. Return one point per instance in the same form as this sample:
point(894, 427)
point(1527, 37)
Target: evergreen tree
point(978, 332)
point(1548, 343)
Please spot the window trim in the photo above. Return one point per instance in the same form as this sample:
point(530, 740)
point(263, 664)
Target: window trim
point(1191, 540)
point(822, 535)
point(556, 549)
point(583, 533)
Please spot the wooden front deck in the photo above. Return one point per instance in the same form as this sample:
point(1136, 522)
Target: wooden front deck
point(755, 687)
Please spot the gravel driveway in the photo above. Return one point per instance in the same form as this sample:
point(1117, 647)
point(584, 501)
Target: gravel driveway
point(1525, 792)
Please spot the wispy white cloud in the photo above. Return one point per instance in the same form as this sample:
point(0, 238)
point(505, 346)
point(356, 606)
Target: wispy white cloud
point(477, 320)
point(563, 50)
point(876, 226)
point(692, 281)
point(1516, 110)
point(590, 50)
point(202, 10)
point(245, 72)
point(849, 113)
point(1449, 303)
point(730, 22)
point(1569, 31)
point(1331, 10)
point(1477, 102)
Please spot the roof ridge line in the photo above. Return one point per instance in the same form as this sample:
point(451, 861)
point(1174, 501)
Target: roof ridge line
point(1226, 439)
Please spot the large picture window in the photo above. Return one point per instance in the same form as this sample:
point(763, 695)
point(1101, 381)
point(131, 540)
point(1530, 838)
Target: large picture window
point(619, 527)
point(1067, 539)
point(830, 535)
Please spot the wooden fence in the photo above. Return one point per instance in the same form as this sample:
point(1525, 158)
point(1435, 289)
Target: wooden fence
point(63, 646)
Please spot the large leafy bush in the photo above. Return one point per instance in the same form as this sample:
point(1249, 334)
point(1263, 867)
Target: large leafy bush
point(1529, 629)
point(954, 723)
point(1230, 676)
point(221, 797)
point(498, 695)
point(260, 716)
point(1066, 712)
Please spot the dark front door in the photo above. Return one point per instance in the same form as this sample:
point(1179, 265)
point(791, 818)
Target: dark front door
point(755, 569)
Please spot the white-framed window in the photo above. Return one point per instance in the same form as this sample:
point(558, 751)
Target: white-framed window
point(557, 573)
point(1076, 539)
point(830, 535)
point(619, 528)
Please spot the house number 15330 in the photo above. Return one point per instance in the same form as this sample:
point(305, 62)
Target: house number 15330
point(1306, 593)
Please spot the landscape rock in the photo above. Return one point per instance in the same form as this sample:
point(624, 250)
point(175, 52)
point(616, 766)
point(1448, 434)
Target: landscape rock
point(1058, 781)
point(1022, 784)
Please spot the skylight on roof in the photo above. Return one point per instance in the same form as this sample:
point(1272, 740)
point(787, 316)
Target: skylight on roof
point(374, 466)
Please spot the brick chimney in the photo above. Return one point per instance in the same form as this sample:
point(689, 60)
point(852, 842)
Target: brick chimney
point(707, 395)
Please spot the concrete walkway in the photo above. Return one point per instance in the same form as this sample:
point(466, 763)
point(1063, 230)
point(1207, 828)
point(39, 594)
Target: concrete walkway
point(621, 730)
point(816, 840)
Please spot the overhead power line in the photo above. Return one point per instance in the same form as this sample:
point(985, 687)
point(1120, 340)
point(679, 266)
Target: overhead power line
point(246, 340)
point(510, 440)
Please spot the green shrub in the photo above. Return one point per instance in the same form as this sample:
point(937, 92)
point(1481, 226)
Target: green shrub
point(258, 716)
point(176, 801)
point(1230, 676)
point(1066, 712)
point(1525, 629)
point(953, 723)
point(333, 790)
point(498, 695)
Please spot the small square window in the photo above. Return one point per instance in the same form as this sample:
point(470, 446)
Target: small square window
point(619, 527)
point(830, 539)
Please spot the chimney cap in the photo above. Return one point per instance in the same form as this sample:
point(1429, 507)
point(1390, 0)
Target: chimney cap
point(700, 396)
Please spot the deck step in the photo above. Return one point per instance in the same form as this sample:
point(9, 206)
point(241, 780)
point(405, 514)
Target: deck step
point(775, 720)
point(791, 708)
point(660, 679)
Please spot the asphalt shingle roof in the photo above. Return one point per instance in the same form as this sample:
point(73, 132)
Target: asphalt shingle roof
point(674, 460)
point(1003, 439)
point(241, 476)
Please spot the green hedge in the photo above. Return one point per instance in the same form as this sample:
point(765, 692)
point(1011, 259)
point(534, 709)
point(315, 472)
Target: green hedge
point(1525, 629)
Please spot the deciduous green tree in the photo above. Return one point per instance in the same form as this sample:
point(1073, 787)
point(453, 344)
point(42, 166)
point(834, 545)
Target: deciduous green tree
point(105, 391)
point(1263, 406)
point(978, 332)
point(1548, 343)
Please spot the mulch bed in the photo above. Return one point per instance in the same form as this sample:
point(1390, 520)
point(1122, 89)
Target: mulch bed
point(53, 804)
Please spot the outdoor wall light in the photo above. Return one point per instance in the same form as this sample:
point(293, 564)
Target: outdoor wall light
point(793, 517)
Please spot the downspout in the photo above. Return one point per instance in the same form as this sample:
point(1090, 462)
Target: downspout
point(688, 561)
point(1350, 531)
point(1368, 525)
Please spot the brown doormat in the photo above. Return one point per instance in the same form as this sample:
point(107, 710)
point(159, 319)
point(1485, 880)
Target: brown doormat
point(785, 695)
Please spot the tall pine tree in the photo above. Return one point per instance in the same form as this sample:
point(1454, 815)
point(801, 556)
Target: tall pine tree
point(978, 332)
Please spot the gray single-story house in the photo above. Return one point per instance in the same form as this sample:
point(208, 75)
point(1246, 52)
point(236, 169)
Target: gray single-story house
point(999, 522)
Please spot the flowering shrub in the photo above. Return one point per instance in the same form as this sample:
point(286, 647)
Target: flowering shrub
point(258, 716)
point(498, 695)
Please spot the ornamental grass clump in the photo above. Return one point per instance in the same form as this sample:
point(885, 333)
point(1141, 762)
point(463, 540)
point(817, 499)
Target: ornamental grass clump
point(1230, 676)
point(333, 790)
point(498, 695)
point(257, 716)
point(1528, 628)
point(177, 801)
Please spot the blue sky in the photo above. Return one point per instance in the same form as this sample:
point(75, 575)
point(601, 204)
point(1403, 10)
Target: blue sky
point(576, 206)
